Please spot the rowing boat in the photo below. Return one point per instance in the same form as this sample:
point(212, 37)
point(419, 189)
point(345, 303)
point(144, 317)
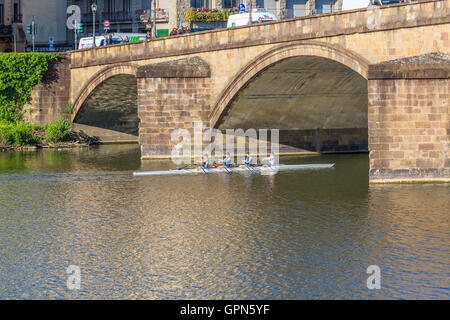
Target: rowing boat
point(260, 169)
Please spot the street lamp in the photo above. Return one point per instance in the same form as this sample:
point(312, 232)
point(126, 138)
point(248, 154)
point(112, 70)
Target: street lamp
point(94, 10)
point(154, 33)
point(250, 21)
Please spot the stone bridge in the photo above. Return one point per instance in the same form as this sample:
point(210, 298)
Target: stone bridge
point(371, 79)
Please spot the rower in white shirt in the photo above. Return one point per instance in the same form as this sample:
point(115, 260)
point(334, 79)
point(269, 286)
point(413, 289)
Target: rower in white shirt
point(270, 160)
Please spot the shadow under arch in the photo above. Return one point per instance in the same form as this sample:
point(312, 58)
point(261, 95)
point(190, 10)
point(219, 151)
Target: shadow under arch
point(279, 53)
point(109, 100)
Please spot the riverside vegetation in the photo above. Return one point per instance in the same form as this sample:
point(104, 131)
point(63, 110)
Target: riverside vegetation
point(19, 73)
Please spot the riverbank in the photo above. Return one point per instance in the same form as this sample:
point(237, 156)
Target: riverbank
point(27, 136)
point(62, 145)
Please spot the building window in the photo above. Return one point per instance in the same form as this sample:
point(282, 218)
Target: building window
point(2, 14)
point(110, 5)
point(147, 4)
point(324, 6)
point(296, 8)
point(126, 5)
point(17, 17)
point(228, 4)
point(199, 3)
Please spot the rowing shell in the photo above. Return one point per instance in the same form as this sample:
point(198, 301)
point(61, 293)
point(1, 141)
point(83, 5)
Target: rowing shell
point(261, 170)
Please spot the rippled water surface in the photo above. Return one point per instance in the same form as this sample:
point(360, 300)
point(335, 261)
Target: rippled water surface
point(296, 235)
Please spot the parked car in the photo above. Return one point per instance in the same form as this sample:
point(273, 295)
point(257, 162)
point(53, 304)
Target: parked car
point(386, 2)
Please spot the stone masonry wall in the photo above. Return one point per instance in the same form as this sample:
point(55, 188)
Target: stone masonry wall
point(166, 104)
point(49, 98)
point(171, 95)
point(409, 129)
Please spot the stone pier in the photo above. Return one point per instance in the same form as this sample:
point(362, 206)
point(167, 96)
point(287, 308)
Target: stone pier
point(171, 95)
point(409, 124)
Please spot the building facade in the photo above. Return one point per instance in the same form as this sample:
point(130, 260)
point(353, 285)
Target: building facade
point(124, 15)
point(50, 19)
point(12, 36)
point(51, 16)
point(281, 8)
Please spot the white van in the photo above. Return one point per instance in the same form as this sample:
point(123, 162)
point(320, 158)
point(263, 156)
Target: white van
point(354, 4)
point(86, 43)
point(358, 4)
point(117, 37)
point(258, 16)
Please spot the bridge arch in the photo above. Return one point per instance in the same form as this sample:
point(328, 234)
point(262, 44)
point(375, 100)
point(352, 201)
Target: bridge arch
point(97, 79)
point(279, 53)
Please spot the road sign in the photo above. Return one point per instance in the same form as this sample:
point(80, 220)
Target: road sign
point(241, 8)
point(106, 24)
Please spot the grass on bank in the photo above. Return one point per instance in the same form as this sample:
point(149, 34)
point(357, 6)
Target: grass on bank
point(24, 134)
point(19, 73)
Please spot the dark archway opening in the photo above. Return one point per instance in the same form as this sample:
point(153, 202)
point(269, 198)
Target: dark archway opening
point(112, 105)
point(318, 105)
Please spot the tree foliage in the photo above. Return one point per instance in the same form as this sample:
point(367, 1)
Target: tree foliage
point(19, 73)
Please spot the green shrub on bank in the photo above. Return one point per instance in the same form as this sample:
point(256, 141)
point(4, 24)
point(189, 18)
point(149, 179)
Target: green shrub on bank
point(25, 134)
point(18, 134)
point(58, 131)
point(19, 73)
point(202, 15)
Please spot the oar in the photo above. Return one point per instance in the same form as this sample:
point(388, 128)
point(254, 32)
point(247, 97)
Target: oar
point(227, 169)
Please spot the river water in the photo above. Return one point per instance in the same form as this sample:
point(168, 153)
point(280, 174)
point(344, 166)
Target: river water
point(296, 235)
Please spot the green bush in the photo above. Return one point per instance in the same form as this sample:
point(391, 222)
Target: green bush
point(19, 73)
point(207, 15)
point(17, 134)
point(58, 131)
